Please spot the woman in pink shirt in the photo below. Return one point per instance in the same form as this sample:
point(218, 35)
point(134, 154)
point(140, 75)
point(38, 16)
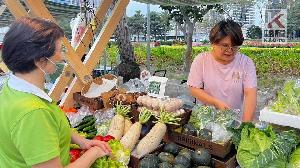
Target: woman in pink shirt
point(224, 77)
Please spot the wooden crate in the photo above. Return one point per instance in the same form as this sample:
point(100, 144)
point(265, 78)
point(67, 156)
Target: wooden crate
point(228, 162)
point(219, 150)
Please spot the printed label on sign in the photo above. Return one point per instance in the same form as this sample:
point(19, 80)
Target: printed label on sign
point(157, 86)
point(275, 26)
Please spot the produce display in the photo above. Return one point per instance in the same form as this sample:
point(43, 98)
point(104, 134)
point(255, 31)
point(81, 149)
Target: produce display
point(173, 156)
point(263, 148)
point(119, 157)
point(131, 137)
point(87, 126)
point(169, 104)
point(117, 124)
point(208, 123)
point(210, 132)
point(151, 141)
point(288, 99)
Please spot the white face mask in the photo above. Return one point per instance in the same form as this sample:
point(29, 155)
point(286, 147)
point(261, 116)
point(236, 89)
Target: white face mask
point(47, 75)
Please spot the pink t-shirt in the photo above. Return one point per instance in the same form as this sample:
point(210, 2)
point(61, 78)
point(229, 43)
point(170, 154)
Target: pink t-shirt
point(224, 82)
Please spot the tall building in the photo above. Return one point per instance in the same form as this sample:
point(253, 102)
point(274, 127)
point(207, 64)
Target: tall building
point(245, 14)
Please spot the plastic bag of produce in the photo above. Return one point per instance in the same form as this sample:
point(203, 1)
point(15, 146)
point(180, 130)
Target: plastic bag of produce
point(219, 132)
point(134, 85)
point(288, 99)
point(76, 118)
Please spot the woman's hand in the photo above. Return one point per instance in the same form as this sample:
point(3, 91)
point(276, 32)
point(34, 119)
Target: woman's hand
point(221, 105)
point(99, 151)
point(87, 144)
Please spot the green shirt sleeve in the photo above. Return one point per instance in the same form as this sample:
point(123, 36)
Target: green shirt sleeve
point(36, 137)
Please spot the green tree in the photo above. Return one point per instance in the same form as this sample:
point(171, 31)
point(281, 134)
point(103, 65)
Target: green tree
point(156, 27)
point(186, 17)
point(254, 32)
point(64, 23)
point(165, 23)
point(136, 23)
point(294, 19)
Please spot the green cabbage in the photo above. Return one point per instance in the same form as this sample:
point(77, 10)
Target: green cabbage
point(288, 99)
point(264, 148)
point(295, 158)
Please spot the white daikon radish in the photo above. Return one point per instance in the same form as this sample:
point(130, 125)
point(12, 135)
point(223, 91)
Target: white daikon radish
point(151, 141)
point(117, 124)
point(130, 139)
point(127, 125)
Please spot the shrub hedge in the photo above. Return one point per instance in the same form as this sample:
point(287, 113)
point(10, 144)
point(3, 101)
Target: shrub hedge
point(284, 61)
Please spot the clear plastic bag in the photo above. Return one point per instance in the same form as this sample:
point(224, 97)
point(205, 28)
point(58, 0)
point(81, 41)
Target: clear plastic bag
point(76, 118)
point(104, 116)
point(134, 85)
point(219, 132)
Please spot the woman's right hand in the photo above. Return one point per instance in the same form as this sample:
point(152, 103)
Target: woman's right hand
point(221, 105)
point(99, 151)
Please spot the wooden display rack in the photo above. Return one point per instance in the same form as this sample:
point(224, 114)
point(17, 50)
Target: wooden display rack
point(73, 57)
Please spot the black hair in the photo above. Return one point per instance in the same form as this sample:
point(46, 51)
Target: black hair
point(28, 40)
point(226, 28)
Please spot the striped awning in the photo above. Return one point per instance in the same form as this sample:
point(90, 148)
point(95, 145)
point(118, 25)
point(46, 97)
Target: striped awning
point(183, 2)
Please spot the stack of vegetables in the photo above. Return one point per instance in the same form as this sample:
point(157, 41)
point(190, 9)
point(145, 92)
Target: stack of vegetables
point(87, 126)
point(173, 156)
point(208, 123)
point(119, 157)
point(173, 105)
point(288, 100)
point(263, 148)
point(120, 123)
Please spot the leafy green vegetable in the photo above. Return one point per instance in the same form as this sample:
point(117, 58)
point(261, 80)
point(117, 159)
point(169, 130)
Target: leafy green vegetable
point(119, 157)
point(280, 148)
point(201, 115)
point(119, 153)
point(106, 162)
point(264, 148)
point(236, 132)
point(295, 158)
point(288, 99)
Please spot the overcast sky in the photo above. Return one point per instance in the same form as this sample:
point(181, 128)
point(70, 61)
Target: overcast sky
point(134, 6)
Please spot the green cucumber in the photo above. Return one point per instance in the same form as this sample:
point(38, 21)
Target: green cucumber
point(84, 121)
point(80, 128)
point(89, 128)
point(91, 135)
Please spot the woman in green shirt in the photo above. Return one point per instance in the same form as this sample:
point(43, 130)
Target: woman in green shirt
point(34, 131)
